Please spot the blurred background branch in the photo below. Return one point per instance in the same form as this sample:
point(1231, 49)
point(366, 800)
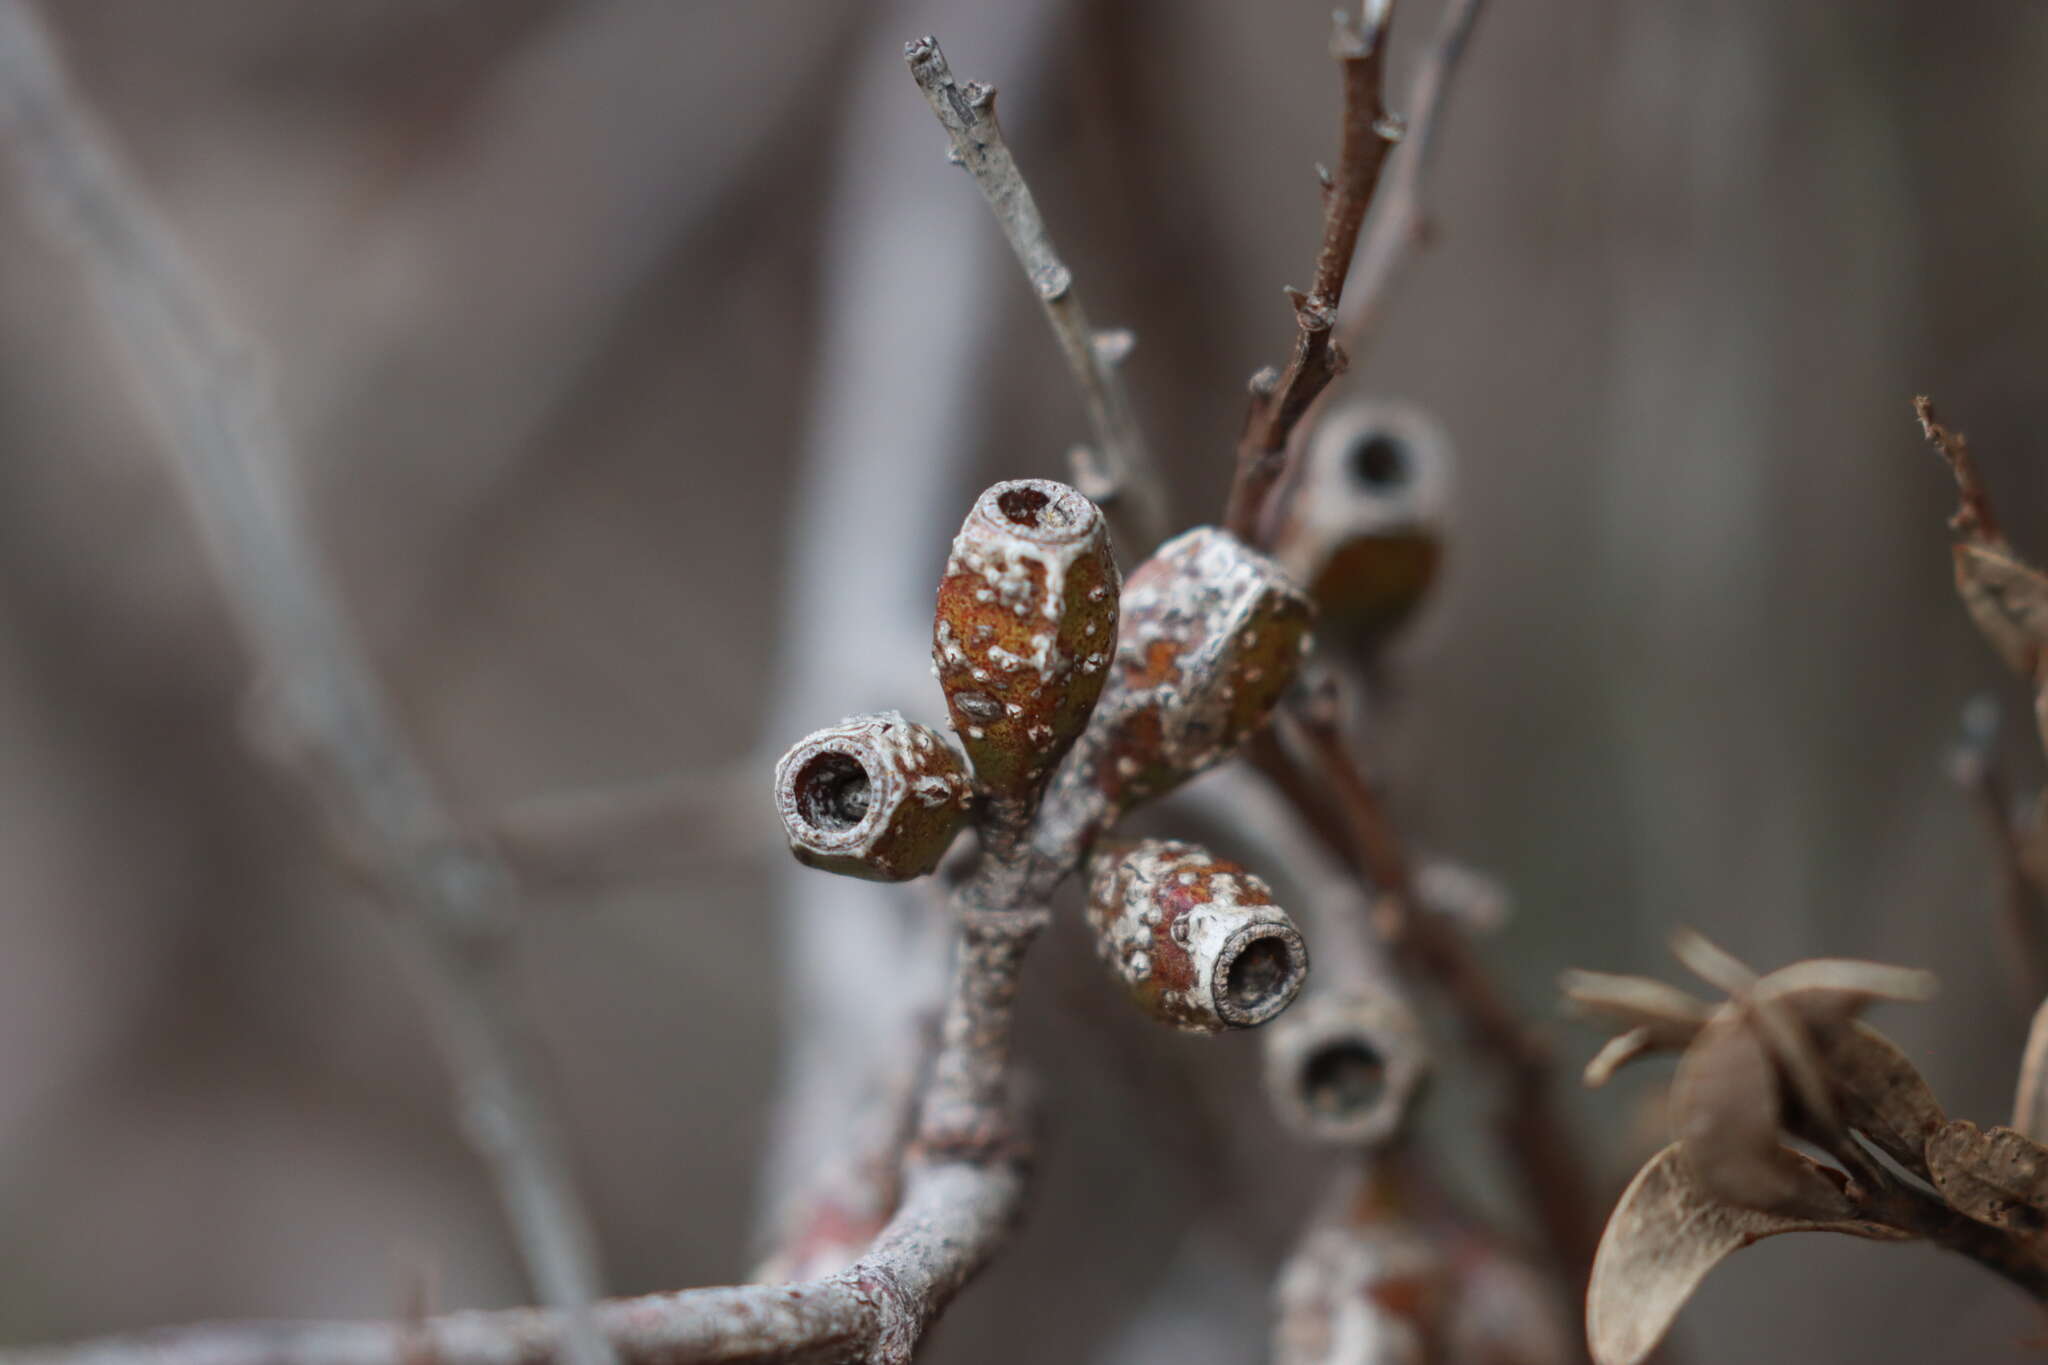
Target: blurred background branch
point(331, 722)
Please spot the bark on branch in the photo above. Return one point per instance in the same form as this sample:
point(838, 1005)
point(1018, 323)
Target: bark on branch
point(963, 1187)
point(1279, 398)
point(1401, 223)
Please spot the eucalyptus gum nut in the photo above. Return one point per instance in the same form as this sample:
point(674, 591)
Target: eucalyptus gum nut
point(1195, 940)
point(1346, 1068)
point(1212, 634)
point(1026, 622)
point(1361, 524)
point(874, 796)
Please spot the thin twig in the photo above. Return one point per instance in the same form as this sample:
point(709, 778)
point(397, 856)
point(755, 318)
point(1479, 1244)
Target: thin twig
point(962, 1191)
point(1401, 222)
point(228, 453)
point(1278, 399)
point(1547, 1164)
point(953, 1213)
point(907, 282)
point(1974, 519)
point(1117, 471)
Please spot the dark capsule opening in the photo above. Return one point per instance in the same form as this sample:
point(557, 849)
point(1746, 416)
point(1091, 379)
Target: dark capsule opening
point(1380, 462)
point(1261, 978)
point(1343, 1079)
point(832, 792)
point(1027, 507)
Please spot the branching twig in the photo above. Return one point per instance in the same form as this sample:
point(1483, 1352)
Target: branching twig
point(228, 454)
point(1278, 399)
point(1117, 471)
point(953, 1213)
point(962, 1190)
point(1401, 222)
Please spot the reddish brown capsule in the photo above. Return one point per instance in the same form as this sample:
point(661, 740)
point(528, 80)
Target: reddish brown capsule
point(1196, 940)
point(1026, 624)
point(1346, 1068)
point(1362, 526)
point(874, 796)
point(1212, 634)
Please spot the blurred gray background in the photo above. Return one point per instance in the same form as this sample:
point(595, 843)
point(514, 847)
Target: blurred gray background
point(547, 290)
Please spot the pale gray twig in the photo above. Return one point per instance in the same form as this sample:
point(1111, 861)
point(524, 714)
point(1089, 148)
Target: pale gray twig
point(1400, 223)
point(227, 451)
point(962, 1191)
point(953, 1214)
point(1116, 471)
point(906, 290)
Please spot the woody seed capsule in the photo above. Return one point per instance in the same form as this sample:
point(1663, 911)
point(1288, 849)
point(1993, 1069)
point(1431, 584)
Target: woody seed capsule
point(1025, 626)
point(1212, 634)
point(1362, 525)
point(1196, 940)
point(874, 796)
point(1345, 1068)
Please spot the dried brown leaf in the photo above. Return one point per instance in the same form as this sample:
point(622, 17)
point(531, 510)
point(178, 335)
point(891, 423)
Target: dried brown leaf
point(1712, 963)
point(1827, 990)
point(1663, 1238)
point(1881, 1094)
point(1726, 1112)
point(1996, 1176)
point(2007, 599)
point(2030, 1100)
point(1791, 1046)
point(1619, 1052)
point(1637, 1001)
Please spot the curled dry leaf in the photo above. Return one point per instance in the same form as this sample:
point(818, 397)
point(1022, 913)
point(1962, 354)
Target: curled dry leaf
point(1673, 1016)
point(1881, 1094)
point(1666, 1234)
point(1994, 1175)
point(1726, 1112)
point(2008, 600)
point(1712, 963)
point(1619, 1052)
point(1824, 991)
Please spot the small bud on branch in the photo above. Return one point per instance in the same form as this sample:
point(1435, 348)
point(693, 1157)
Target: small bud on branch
point(1361, 524)
point(1346, 1068)
point(1196, 939)
point(1212, 634)
point(874, 797)
point(1026, 621)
